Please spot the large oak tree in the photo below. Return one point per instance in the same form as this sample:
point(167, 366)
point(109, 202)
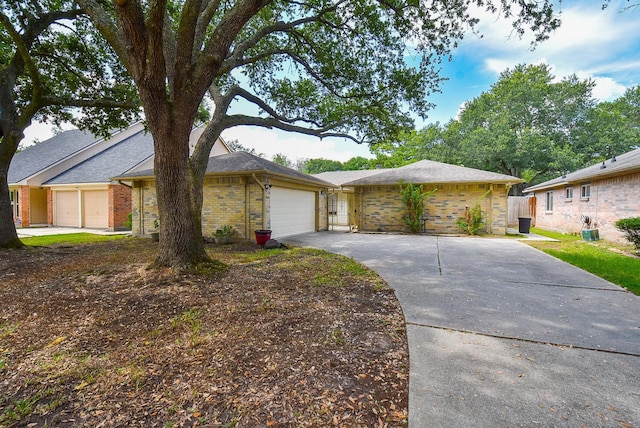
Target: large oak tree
point(53, 62)
point(349, 68)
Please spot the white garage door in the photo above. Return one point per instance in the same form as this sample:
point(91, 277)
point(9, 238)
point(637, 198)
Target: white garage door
point(67, 212)
point(292, 212)
point(96, 208)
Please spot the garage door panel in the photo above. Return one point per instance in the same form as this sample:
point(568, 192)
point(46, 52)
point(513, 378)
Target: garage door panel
point(96, 208)
point(292, 211)
point(67, 209)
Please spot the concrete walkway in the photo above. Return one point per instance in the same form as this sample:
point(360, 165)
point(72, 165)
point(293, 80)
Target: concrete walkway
point(503, 335)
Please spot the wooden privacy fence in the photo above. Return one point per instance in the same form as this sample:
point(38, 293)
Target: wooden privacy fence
point(521, 206)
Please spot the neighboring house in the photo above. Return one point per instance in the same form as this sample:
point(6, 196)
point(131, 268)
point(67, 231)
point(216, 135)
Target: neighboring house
point(341, 200)
point(377, 205)
point(66, 180)
point(246, 192)
point(602, 194)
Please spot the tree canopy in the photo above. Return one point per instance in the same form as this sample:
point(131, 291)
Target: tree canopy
point(52, 63)
point(319, 67)
point(529, 125)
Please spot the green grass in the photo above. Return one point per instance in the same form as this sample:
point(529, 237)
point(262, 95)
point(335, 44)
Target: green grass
point(601, 258)
point(68, 238)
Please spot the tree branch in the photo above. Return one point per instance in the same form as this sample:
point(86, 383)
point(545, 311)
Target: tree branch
point(100, 103)
point(237, 91)
point(270, 123)
point(107, 27)
point(204, 18)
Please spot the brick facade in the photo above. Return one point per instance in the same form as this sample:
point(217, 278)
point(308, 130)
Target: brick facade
point(238, 201)
point(23, 211)
point(380, 208)
point(610, 199)
point(119, 205)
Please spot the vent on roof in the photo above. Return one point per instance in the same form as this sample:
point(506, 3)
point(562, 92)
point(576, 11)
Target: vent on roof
point(613, 159)
point(603, 166)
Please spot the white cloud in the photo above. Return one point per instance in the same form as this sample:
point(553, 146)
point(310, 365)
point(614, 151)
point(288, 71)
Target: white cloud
point(607, 89)
point(295, 146)
point(591, 43)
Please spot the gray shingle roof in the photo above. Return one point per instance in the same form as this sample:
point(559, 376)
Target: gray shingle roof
point(113, 161)
point(427, 171)
point(623, 164)
point(242, 163)
point(338, 178)
point(40, 156)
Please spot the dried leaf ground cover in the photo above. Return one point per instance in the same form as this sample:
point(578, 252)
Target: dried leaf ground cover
point(284, 338)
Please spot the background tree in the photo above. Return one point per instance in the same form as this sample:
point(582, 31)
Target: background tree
point(52, 62)
point(320, 67)
point(316, 166)
point(282, 159)
point(525, 125)
point(611, 128)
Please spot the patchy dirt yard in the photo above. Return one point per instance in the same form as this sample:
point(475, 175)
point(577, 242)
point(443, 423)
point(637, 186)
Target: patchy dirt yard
point(282, 338)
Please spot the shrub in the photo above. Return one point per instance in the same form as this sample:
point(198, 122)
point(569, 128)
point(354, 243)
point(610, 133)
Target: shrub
point(631, 229)
point(472, 222)
point(413, 197)
point(129, 221)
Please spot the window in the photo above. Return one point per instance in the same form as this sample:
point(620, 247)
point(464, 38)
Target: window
point(333, 204)
point(585, 191)
point(568, 193)
point(549, 202)
point(15, 207)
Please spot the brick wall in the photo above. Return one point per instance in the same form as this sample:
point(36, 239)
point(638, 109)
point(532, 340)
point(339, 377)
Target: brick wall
point(611, 199)
point(49, 206)
point(119, 205)
point(381, 208)
point(23, 197)
point(229, 198)
point(236, 201)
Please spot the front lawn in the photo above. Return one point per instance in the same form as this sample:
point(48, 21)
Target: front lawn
point(90, 336)
point(614, 262)
point(68, 239)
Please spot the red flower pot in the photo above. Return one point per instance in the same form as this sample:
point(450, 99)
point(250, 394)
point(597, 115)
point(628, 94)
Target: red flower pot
point(262, 236)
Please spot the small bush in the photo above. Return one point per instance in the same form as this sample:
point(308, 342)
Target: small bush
point(472, 222)
point(129, 221)
point(631, 229)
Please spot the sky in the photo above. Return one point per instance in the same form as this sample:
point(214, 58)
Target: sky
point(603, 45)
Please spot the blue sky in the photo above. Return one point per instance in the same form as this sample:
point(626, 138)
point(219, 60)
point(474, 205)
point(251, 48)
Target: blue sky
point(592, 43)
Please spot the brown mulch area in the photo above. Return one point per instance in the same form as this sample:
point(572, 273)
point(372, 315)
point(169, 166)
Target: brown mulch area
point(283, 338)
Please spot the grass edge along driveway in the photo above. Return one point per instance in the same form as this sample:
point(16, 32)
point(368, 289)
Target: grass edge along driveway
point(611, 261)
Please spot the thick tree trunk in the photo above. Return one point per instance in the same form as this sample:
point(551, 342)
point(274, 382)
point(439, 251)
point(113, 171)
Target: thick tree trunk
point(181, 242)
point(8, 235)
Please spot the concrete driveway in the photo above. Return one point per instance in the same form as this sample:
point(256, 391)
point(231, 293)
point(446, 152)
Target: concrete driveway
point(500, 334)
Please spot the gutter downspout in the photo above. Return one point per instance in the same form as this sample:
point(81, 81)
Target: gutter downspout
point(265, 188)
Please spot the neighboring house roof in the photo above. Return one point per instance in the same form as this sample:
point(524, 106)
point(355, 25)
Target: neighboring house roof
point(338, 178)
point(115, 160)
point(427, 171)
point(242, 163)
point(619, 165)
point(38, 157)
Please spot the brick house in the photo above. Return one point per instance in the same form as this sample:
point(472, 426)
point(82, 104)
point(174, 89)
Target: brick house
point(602, 194)
point(65, 181)
point(375, 204)
point(341, 197)
point(246, 192)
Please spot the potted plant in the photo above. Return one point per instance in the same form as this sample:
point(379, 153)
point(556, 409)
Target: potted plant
point(224, 234)
point(262, 236)
point(155, 235)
